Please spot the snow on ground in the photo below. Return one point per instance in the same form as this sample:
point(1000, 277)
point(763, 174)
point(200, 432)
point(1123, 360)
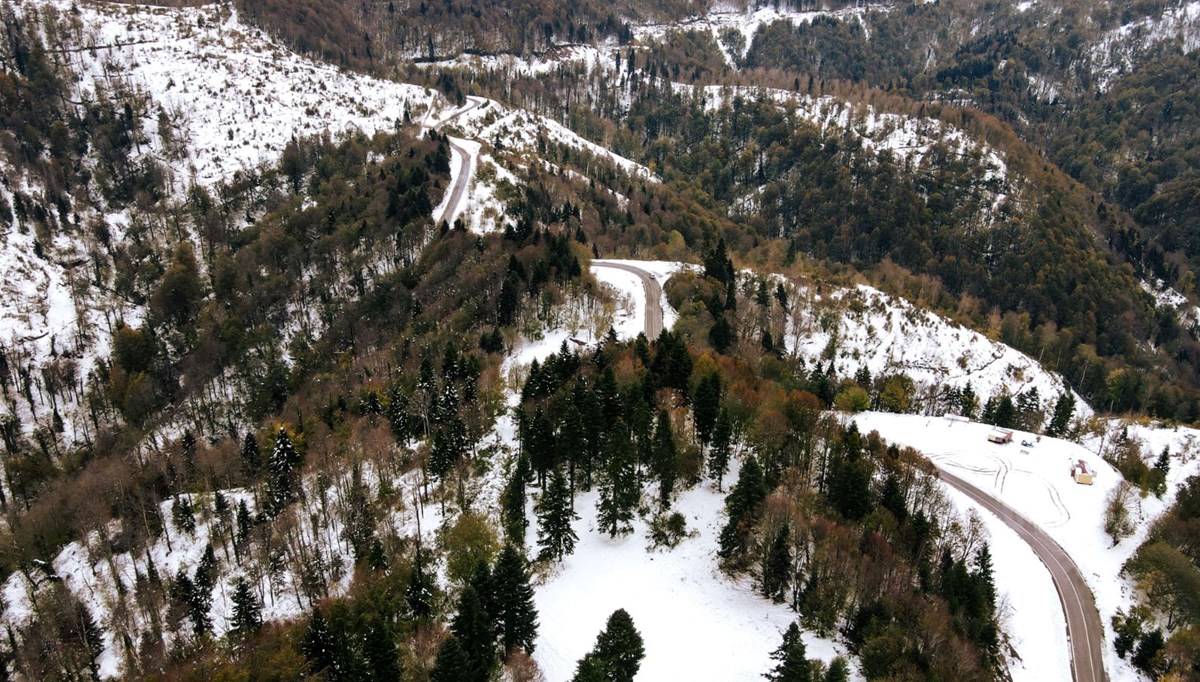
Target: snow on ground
point(747, 22)
point(1036, 482)
point(630, 317)
point(518, 131)
point(319, 534)
point(1166, 296)
point(662, 270)
point(864, 326)
point(231, 98)
point(696, 623)
point(1117, 52)
point(908, 138)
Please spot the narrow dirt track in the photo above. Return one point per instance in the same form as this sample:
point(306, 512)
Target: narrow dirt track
point(1084, 629)
point(654, 312)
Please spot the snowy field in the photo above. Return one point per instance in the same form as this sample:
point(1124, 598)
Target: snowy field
point(697, 624)
point(1036, 482)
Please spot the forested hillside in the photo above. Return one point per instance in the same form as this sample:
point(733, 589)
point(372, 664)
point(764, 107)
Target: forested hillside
point(266, 416)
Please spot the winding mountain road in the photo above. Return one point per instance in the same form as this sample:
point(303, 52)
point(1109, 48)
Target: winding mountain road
point(654, 311)
point(468, 153)
point(1084, 629)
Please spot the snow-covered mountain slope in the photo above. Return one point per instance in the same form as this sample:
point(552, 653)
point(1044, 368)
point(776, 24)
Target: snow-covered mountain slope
point(1118, 51)
point(519, 131)
point(222, 98)
point(232, 93)
point(734, 28)
point(863, 326)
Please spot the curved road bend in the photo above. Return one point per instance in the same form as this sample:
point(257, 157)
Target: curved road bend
point(466, 163)
point(654, 312)
point(1084, 629)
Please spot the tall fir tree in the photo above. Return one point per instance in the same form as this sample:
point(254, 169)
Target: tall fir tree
point(666, 469)
point(742, 506)
point(619, 489)
point(452, 663)
point(319, 645)
point(777, 564)
point(706, 405)
point(247, 610)
point(618, 653)
point(420, 591)
point(283, 465)
point(512, 502)
point(472, 628)
point(515, 615)
point(722, 446)
point(379, 649)
point(556, 538)
point(1060, 421)
point(791, 662)
point(397, 415)
point(838, 671)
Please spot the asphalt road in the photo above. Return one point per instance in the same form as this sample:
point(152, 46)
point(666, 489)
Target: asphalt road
point(1084, 629)
point(466, 163)
point(654, 313)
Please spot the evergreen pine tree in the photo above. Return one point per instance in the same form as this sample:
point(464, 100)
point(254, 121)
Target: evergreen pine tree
point(590, 669)
point(722, 334)
point(619, 490)
point(244, 524)
point(318, 645)
point(969, 402)
point(706, 405)
point(452, 664)
point(379, 650)
point(473, 629)
point(206, 572)
point(481, 582)
point(247, 611)
point(1005, 415)
point(742, 505)
point(397, 414)
point(512, 502)
point(572, 440)
point(849, 488)
point(791, 659)
point(666, 469)
point(282, 465)
point(777, 564)
point(556, 538)
point(618, 652)
point(419, 593)
point(449, 446)
point(182, 515)
point(1064, 409)
point(516, 616)
point(891, 497)
point(722, 444)
point(188, 445)
point(838, 671)
point(91, 636)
